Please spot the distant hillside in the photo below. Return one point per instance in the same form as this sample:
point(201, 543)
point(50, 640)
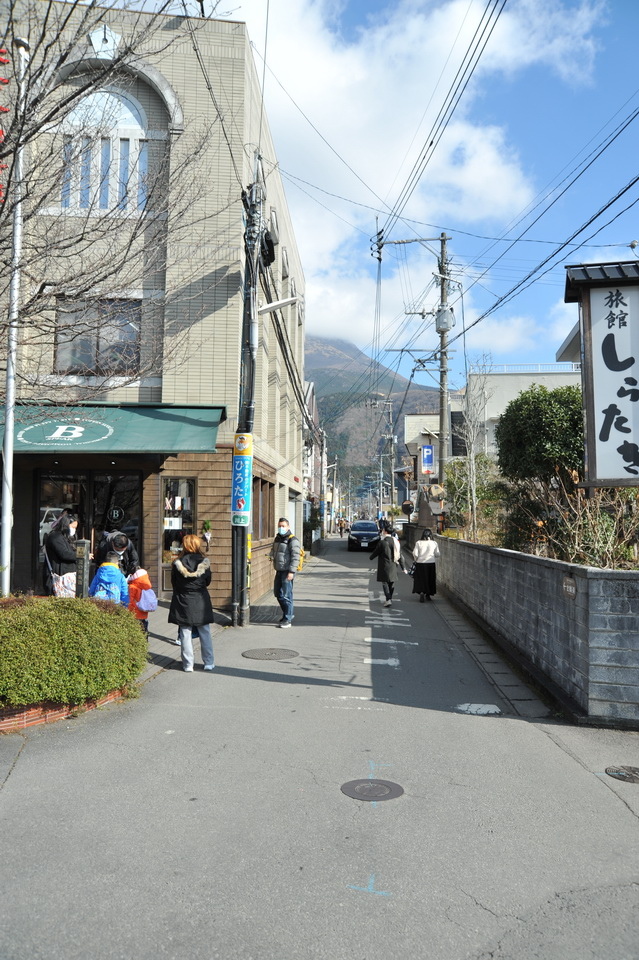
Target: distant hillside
point(347, 384)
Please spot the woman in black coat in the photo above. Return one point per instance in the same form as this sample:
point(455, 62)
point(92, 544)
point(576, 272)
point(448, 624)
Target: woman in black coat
point(191, 604)
point(386, 566)
point(60, 550)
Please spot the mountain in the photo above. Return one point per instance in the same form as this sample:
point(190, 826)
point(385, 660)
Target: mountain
point(352, 391)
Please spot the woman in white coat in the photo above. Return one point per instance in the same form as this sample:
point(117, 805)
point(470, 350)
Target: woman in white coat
point(425, 553)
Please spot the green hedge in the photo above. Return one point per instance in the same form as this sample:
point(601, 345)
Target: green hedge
point(54, 650)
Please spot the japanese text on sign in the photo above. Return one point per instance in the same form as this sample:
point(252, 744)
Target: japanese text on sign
point(242, 479)
point(615, 376)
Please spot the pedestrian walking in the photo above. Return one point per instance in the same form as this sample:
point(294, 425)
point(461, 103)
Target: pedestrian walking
point(425, 553)
point(60, 558)
point(191, 604)
point(386, 564)
point(109, 583)
point(285, 554)
point(142, 598)
point(342, 525)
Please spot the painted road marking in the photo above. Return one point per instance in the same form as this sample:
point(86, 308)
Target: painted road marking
point(403, 643)
point(370, 888)
point(478, 709)
point(391, 662)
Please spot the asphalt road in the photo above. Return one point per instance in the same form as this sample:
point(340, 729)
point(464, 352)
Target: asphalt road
point(206, 818)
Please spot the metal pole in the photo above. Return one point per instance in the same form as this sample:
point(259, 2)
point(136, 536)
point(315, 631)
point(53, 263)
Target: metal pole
point(240, 602)
point(14, 300)
point(443, 368)
point(323, 485)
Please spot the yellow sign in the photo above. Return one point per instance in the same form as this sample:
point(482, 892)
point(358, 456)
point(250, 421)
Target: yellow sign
point(243, 446)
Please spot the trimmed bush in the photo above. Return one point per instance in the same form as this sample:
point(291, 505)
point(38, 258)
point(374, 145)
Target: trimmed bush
point(67, 651)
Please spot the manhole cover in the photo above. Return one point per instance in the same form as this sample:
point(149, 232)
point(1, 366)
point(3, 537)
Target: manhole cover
point(627, 774)
point(270, 653)
point(372, 789)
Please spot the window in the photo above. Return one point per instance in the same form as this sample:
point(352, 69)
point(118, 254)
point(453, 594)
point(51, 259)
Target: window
point(285, 268)
point(105, 155)
point(100, 338)
point(262, 510)
point(179, 514)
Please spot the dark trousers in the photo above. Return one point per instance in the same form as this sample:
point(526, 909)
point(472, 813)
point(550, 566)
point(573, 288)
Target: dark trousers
point(283, 590)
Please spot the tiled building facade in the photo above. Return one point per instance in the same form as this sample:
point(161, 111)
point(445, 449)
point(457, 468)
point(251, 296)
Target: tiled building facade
point(187, 101)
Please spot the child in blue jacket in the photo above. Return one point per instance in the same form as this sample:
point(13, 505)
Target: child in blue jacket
point(109, 583)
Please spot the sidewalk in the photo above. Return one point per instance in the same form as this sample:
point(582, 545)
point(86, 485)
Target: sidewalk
point(164, 654)
point(209, 818)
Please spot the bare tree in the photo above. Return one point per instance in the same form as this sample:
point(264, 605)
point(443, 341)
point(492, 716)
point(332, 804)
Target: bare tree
point(472, 429)
point(108, 199)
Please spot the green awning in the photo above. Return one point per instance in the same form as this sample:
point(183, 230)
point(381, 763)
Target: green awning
point(116, 428)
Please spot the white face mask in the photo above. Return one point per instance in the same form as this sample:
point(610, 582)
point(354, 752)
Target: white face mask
point(71, 531)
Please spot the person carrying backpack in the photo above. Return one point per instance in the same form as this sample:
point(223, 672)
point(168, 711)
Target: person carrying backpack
point(109, 583)
point(142, 598)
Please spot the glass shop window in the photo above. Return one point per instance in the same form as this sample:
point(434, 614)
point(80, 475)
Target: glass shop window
point(178, 495)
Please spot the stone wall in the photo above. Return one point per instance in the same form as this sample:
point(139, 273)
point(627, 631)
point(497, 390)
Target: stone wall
point(576, 628)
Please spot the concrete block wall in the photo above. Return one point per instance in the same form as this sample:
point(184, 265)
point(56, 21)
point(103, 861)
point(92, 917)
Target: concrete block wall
point(576, 627)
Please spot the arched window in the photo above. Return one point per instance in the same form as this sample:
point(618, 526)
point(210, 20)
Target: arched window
point(105, 155)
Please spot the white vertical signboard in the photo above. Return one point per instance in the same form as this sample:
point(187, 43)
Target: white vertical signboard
point(614, 321)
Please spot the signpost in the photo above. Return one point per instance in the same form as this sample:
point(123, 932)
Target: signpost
point(427, 460)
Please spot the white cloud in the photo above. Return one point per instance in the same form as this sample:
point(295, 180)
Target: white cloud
point(374, 99)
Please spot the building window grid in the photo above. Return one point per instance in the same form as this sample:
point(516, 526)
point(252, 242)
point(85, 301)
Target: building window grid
point(107, 172)
point(100, 339)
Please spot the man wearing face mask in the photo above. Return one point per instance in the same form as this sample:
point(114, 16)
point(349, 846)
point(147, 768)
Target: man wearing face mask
point(119, 543)
point(286, 558)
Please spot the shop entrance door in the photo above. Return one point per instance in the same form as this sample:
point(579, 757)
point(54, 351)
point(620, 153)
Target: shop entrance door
point(101, 501)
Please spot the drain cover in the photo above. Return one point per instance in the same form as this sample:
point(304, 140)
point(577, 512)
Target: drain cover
point(270, 653)
point(627, 774)
point(372, 789)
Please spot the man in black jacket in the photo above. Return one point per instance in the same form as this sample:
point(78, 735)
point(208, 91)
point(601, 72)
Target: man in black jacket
point(285, 554)
point(119, 543)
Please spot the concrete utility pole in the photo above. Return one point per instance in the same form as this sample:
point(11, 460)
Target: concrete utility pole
point(443, 323)
point(240, 603)
point(323, 484)
point(392, 439)
point(14, 306)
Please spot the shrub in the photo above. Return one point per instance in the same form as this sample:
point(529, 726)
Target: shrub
point(55, 650)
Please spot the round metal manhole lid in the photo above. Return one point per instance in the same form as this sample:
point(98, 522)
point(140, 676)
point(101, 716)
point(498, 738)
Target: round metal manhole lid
point(270, 653)
point(627, 774)
point(372, 789)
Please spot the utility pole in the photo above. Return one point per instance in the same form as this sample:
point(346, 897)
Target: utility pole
point(323, 484)
point(390, 436)
point(443, 323)
point(242, 474)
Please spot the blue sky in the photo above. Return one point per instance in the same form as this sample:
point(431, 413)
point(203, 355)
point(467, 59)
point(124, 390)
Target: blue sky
point(554, 80)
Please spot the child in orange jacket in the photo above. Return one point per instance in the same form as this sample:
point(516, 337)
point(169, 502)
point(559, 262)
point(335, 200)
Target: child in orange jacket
point(139, 582)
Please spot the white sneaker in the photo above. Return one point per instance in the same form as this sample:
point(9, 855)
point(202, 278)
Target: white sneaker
point(209, 666)
point(187, 669)
point(387, 604)
point(285, 625)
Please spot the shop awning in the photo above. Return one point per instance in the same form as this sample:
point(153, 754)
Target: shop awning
point(115, 428)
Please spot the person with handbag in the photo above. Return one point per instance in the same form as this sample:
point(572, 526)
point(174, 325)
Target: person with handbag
point(386, 563)
point(59, 573)
point(425, 552)
point(191, 604)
